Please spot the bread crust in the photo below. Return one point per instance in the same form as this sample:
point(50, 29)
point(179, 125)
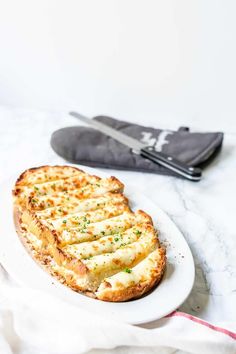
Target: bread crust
point(43, 259)
point(69, 270)
point(138, 290)
point(25, 175)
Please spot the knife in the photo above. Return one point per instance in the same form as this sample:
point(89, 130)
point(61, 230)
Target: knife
point(149, 152)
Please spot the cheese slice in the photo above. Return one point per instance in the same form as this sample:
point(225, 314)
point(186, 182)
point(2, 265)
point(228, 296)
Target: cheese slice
point(103, 265)
point(111, 226)
point(45, 174)
point(141, 277)
point(82, 219)
point(62, 185)
point(81, 206)
point(36, 202)
point(107, 244)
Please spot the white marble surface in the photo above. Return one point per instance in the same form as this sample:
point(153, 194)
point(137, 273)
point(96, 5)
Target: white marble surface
point(204, 211)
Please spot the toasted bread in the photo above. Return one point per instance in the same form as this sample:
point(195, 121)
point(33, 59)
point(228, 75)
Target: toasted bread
point(81, 229)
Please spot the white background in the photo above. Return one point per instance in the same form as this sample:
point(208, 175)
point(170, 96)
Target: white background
point(172, 62)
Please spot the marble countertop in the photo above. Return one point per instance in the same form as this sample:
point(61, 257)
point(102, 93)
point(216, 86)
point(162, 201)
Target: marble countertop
point(204, 211)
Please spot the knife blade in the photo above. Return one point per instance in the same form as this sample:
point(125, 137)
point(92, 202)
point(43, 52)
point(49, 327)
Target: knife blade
point(189, 172)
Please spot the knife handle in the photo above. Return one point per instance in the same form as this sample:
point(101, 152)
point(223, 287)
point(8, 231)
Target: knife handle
point(189, 172)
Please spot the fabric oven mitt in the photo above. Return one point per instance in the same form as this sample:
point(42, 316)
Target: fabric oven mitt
point(87, 146)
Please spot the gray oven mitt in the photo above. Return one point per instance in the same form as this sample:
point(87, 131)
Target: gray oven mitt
point(87, 146)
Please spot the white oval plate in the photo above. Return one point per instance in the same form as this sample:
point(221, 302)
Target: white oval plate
point(165, 298)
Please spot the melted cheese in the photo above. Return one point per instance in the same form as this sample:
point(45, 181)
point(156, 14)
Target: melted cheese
point(46, 174)
point(63, 185)
point(35, 242)
point(81, 220)
point(127, 256)
point(36, 202)
point(142, 272)
point(83, 206)
point(107, 244)
point(89, 232)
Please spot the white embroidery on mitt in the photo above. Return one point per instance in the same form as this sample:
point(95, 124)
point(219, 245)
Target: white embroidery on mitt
point(158, 142)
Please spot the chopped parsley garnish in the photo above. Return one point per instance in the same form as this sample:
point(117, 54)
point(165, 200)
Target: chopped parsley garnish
point(85, 223)
point(103, 233)
point(36, 188)
point(64, 221)
point(116, 239)
point(83, 231)
point(128, 270)
point(33, 200)
point(137, 232)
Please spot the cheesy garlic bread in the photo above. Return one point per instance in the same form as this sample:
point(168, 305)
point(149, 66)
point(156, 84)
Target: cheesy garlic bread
point(81, 229)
